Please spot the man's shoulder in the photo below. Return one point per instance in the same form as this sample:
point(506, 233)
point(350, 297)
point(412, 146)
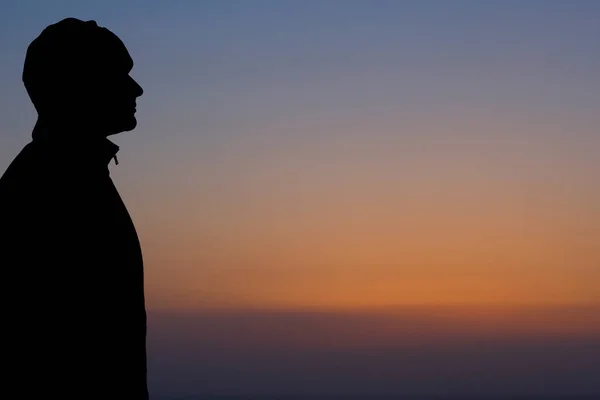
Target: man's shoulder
point(21, 166)
point(29, 173)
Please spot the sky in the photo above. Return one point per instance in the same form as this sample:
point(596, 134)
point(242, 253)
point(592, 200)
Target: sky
point(355, 196)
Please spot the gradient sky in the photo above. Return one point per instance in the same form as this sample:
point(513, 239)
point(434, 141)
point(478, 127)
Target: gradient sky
point(337, 179)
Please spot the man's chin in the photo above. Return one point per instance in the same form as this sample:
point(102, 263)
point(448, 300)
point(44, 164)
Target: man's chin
point(124, 126)
point(130, 125)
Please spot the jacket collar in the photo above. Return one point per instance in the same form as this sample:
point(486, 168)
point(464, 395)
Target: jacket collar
point(78, 150)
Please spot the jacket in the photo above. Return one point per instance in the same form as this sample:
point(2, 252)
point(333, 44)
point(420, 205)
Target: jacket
point(72, 268)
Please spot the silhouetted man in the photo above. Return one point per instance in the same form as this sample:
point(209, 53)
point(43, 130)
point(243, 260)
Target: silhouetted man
point(74, 320)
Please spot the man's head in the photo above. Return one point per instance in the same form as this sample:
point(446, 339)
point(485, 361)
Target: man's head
point(77, 76)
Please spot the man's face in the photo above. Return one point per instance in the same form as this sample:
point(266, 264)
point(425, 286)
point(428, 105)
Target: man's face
point(111, 99)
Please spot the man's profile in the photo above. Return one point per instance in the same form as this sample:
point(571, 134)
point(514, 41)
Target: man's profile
point(74, 319)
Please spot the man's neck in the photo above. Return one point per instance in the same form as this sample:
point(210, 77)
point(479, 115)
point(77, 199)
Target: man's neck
point(79, 145)
point(66, 133)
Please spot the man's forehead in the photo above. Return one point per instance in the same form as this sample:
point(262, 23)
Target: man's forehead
point(115, 51)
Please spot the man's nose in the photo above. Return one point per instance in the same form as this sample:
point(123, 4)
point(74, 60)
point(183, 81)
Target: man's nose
point(137, 88)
